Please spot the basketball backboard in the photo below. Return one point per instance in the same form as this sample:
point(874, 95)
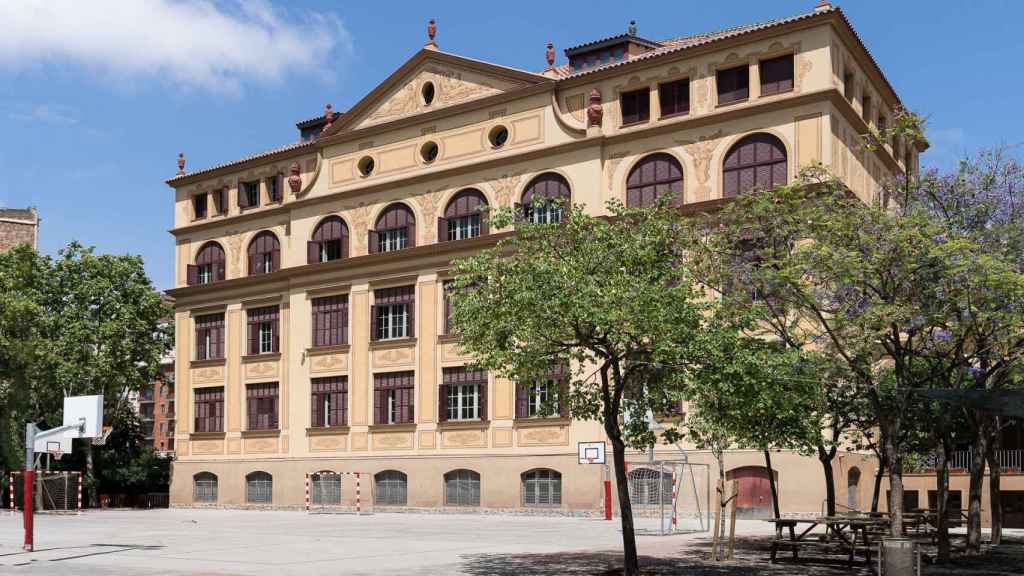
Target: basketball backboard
point(591, 452)
point(87, 410)
point(55, 445)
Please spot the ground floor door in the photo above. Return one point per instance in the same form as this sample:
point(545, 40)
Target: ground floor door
point(755, 493)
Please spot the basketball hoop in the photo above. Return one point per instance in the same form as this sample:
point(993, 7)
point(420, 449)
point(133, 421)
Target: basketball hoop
point(102, 438)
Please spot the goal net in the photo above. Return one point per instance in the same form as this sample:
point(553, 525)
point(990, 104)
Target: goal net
point(668, 497)
point(57, 492)
point(329, 492)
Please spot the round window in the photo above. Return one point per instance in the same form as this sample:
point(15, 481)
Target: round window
point(498, 136)
point(366, 166)
point(429, 151)
point(428, 93)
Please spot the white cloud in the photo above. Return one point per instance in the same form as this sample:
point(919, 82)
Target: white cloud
point(190, 43)
point(48, 114)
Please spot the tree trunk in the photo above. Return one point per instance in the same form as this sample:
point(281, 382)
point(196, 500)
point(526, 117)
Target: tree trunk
point(825, 457)
point(895, 486)
point(879, 474)
point(631, 565)
point(977, 473)
point(90, 478)
point(719, 508)
point(771, 483)
point(994, 480)
point(942, 498)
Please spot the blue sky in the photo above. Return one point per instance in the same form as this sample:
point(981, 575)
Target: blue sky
point(96, 101)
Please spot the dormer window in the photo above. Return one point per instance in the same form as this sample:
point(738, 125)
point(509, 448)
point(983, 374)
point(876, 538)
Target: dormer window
point(608, 51)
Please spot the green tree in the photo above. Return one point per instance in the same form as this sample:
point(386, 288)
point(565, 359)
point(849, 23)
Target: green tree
point(607, 296)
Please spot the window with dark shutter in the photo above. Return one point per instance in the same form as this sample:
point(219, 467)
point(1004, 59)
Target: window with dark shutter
point(209, 405)
point(392, 315)
point(653, 176)
point(757, 162)
point(209, 336)
point(263, 330)
point(542, 487)
point(849, 88)
point(261, 406)
point(674, 97)
point(776, 75)
point(330, 320)
point(636, 106)
point(733, 85)
point(466, 393)
point(264, 254)
point(199, 204)
point(545, 396)
point(866, 110)
point(329, 401)
point(330, 241)
point(274, 187)
point(395, 229)
point(393, 397)
point(249, 194)
point(209, 266)
point(220, 201)
point(462, 488)
point(464, 217)
point(546, 198)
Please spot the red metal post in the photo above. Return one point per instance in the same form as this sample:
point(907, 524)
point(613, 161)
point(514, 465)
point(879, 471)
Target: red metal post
point(607, 494)
point(29, 479)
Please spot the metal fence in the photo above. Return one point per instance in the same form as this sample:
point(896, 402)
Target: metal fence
point(1008, 459)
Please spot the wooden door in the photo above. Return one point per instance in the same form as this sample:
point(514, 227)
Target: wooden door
point(755, 494)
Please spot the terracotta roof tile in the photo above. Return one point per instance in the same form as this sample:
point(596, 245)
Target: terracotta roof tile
point(256, 156)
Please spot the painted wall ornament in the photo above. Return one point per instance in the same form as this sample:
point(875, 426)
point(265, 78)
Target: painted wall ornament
point(594, 111)
point(294, 180)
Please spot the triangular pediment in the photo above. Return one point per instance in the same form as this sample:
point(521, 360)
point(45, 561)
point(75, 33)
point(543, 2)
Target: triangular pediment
point(453, 80)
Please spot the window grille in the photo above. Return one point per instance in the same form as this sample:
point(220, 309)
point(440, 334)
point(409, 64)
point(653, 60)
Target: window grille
point(204, 487)
point(259, 488)
point(542, 487)
point(391, 488)
point(462, 488)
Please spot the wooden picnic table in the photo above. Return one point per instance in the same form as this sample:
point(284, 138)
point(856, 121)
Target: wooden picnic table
point(841, 530)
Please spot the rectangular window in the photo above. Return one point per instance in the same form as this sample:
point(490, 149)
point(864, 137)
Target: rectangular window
point(329, 401)
point(393, 398)
point(464, 227)
point(274, 188)
point(392, 313)
point(209, 336)
point(264, 335)
point(776, 75)
point(636, 106)
point(220, 204)
point(540, 394)
point(249, 195)
point(733, 84)
point(199, 203)
point(330, 320)
point(865, 112)
point(674, 97)
point(848, 86)
point(393, 239)
point(209, 409)
point(261, 406)
point(464, 393)
point(204, 273)
point(545, 396)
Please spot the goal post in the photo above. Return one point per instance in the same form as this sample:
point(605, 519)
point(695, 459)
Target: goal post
point(330, 492)
point(668, 496)
point(59, 492)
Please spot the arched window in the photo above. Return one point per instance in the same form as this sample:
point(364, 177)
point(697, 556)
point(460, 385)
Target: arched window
point(390, 488)
point(537, 204)
point(542, 487)
point(463, 217)
point(654, 176)
point(264, 254)
point(852, 488)
point(259, 488)
point(462, 488)
point(209, 266)
point(204, 487)
point(757, 161)
point(330, 241)
point(650, 487)
point(325, 488)
point(395, 229)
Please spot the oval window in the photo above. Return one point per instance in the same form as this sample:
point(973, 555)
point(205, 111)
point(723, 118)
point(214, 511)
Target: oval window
point(366, 166)
point(429, 151)
point(498, 136)
point(428, 93)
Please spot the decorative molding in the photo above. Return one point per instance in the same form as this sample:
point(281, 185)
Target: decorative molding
point(393, 440)
point(701, 151)
point(544, 436)
point(328, 362)
point(504, 187)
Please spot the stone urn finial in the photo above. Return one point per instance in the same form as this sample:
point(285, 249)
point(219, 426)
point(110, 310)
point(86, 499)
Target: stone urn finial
point(594, 111)
point(294, 180)
point(632, 28)
point(431, 32)
point(181, 163)
point(550, 55)
point(822, 6)
point(328, 117)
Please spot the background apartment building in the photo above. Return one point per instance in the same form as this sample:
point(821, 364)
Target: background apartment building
point(310, 303)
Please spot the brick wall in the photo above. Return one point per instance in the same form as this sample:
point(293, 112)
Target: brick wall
point(18, 226)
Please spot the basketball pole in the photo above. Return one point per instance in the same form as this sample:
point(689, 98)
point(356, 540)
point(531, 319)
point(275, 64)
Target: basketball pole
point(28, 482)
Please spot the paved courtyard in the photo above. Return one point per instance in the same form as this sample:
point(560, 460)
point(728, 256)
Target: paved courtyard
point(283, 543)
